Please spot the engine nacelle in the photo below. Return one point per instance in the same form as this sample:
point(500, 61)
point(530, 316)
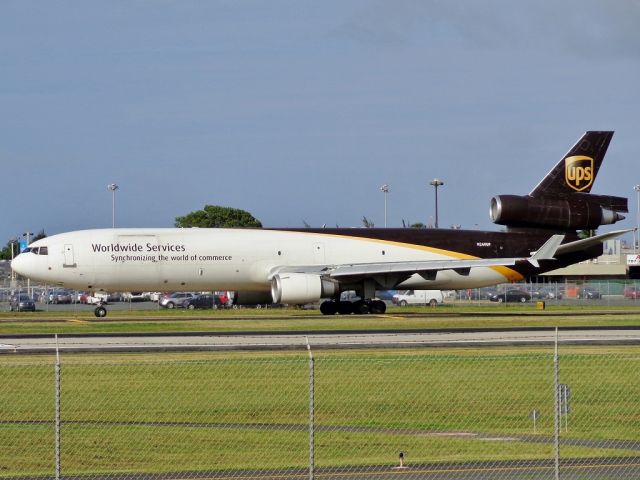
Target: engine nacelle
point(574, 212)
point(300, 288)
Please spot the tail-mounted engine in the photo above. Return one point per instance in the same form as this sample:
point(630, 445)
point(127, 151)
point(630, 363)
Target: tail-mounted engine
point(577, 211)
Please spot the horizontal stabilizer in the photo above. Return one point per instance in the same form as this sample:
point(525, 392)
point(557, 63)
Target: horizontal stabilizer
point(585, 243)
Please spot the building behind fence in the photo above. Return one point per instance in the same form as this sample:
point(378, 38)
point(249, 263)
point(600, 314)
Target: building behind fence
point(428, 413)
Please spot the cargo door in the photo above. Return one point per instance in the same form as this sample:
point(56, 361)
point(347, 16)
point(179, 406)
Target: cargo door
point(69, 259)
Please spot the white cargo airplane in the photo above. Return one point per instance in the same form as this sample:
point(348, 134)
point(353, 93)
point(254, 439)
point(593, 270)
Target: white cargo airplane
point(297, 266)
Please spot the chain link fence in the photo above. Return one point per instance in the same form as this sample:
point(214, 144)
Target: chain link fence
point(612, 293)
point(429, 413)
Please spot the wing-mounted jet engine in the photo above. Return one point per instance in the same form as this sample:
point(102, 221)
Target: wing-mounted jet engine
point(562, 200)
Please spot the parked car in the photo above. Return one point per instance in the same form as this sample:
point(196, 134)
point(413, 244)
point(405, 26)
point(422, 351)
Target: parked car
point(547, 293)
point(475, 293)
point(58, 295)
point(176, 299)
point(135, 296)
point(512, 295)
point(632, 292)
point(22, 303)
point(418, 297)
point(589, 293)
point(385, 294)
point(154, 296)
point(205, 300)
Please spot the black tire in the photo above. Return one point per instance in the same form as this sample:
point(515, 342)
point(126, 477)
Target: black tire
point(500, 300)
point(345, 308)
point(361, 308)
point(328, 307)
point(523, 299)
point(171, 305)
point(378, 307)
point(100, 312)
point(403, 303)
point(433, 302)
point(191, 306)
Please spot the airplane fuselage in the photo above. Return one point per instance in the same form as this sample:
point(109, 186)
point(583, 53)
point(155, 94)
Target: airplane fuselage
point(175, 259)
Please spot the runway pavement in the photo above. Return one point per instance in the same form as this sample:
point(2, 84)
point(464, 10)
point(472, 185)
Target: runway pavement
point(284, 341)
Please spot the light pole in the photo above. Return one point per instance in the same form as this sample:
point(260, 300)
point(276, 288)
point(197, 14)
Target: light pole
point(636, 237)
point(113, 187)
point(436, 182)
point(27, 235)
point(12, 283)
point(385, 189)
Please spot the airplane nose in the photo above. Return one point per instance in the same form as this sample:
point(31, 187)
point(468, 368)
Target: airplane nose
point(20, 265)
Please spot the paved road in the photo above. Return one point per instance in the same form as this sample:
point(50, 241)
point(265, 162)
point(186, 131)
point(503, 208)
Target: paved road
point(196, 342)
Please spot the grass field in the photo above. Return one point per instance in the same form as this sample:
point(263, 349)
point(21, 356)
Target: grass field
point(252, 320)
point(234, 411)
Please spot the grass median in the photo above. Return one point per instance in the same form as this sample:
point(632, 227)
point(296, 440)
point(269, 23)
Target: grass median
point(231, 412)
point(291, 319)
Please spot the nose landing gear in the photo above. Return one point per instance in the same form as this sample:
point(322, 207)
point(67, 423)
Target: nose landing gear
point(100, 311)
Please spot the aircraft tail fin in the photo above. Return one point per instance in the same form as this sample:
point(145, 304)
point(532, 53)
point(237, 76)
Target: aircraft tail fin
point(562, 200)
point(577, 169)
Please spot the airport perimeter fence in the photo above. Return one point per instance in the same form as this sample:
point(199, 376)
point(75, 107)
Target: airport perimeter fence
point(428, 413)
point(613, 293)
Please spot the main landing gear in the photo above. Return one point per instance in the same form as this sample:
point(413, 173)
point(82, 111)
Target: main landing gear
point(100, 311)
point(361, 307)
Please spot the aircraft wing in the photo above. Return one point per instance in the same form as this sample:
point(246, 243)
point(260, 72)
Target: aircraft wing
point(406, 269)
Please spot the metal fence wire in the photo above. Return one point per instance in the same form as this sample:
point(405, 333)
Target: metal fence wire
point(431, 413)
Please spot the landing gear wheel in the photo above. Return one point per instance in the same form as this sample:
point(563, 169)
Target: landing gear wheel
point(361, 307)
point(345, 308)
point(378, 307)
point(100, 312)
point(328, 307)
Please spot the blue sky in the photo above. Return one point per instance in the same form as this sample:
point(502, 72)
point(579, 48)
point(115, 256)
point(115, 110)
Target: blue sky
point(299, 111)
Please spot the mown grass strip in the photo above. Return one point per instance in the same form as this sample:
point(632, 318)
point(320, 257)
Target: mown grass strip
point(226, 411)
point(290, 320)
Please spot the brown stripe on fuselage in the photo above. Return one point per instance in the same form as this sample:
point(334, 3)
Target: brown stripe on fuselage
point(462, 244)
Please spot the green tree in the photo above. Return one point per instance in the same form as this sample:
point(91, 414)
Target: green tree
point(214, 216)
point(5, 253)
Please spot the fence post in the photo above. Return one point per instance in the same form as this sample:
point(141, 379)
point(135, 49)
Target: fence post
point(556, 408)
point(57, 407)
point(311, 411)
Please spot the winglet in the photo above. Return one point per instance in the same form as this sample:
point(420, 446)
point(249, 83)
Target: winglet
point(546, 251)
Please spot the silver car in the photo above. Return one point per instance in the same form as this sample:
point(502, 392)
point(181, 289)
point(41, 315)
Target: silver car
point(176, 299)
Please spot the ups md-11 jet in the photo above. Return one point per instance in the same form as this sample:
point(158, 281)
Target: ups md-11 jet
point(298, 266)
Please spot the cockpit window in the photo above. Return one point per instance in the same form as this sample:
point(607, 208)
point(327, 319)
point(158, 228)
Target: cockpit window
point(37, 250)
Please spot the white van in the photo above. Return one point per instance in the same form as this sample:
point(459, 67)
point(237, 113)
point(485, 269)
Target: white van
point(418, 297)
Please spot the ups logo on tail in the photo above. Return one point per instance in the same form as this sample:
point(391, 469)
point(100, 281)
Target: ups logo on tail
point(578, 172)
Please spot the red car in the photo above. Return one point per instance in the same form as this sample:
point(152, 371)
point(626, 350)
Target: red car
point(632, 292)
